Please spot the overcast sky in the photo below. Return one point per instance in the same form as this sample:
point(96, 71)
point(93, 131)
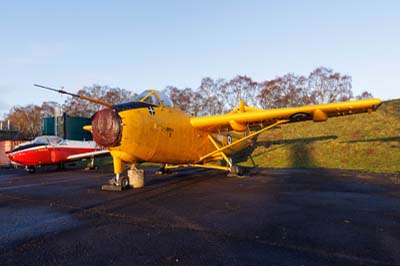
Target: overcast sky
point(137, 45)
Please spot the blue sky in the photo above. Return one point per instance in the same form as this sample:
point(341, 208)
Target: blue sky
point(138, 45)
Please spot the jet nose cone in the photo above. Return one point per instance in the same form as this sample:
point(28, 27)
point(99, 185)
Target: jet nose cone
point(106, 127)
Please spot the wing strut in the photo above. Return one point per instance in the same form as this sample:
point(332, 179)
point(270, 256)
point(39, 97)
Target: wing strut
point(221, 150)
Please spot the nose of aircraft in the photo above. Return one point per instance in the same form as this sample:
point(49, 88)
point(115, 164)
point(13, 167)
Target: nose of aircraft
point(106, 127)
point(15, 158)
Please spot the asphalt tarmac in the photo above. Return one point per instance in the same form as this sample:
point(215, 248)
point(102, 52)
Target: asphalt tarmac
point(200, 217)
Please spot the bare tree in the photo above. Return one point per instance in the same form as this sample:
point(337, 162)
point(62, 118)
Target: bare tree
point(305, 96)
point(287, 91)
point(291, 93)
point(211, 95)
point(117, 95)
point(270, 94)
point(217, 96)
point(49, 108)
point(27, 120)
point(79, 107)
point(327, 86)
point(241, 88)
point(364, 95)
point(187, 100)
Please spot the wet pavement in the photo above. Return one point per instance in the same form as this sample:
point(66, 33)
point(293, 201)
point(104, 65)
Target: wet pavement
point(200, 217)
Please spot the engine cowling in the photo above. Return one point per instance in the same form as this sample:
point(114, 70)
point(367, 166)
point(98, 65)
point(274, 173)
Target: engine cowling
point(107, 127)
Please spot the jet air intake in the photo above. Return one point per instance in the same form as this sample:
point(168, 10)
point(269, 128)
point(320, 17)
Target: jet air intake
point(106, 127)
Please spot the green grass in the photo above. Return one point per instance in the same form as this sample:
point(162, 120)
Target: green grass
point(366, 142)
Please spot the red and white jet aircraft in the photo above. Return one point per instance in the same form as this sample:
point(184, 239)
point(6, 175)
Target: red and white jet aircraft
point(48, 150)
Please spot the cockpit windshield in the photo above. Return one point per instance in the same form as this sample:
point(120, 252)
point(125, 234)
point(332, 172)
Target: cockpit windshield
point(52, 140)
point(154, 97)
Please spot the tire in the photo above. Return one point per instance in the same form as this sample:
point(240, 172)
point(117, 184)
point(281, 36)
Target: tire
point(125, 183)
point(235, 171)
point(30, 169)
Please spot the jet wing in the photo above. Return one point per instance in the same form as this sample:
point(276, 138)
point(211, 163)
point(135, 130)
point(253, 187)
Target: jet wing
point(87, 155)
point(243, 117)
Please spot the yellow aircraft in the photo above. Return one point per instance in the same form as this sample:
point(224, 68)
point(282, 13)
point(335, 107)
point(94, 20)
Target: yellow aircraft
point(151, 129)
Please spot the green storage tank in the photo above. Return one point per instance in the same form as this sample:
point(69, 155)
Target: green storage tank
point(73, 127)
point(48, 126)
point(68, 127)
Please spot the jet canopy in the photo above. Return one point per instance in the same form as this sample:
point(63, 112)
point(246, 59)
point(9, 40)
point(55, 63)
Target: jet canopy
point(154, 97)
point(38, 141)
point(52, 140)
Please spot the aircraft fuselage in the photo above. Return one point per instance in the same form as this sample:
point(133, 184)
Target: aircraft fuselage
point(159, 134)
point(46, 150)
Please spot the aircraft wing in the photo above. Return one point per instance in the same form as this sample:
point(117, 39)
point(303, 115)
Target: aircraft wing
point(243, 117)
point(87, 155)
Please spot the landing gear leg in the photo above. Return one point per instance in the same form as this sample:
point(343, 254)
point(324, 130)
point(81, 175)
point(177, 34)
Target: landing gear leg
point(114, 180)
point(117, 183)
point(234, 170)
point(90, 165)
point(163, 170)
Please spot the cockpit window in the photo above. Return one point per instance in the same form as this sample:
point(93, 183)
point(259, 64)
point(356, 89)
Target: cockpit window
point(139, 97)
point(154, 97)
point(52, 140)
point(165, 100)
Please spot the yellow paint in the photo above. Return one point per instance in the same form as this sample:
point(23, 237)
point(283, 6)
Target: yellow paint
point(243, 139)
point(154, 138)
point(118, 164)
point(319, 116)
point(87, 128)
point(256, 115)
point(238, 126)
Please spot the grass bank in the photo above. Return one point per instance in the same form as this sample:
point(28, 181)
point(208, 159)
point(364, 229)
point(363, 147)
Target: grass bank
point(366, 142)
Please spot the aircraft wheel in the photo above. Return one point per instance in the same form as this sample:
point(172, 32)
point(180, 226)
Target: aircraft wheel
point(163, 171)
point(235, 171)
point(60, 166)
point(124, 183)
point(30, 170)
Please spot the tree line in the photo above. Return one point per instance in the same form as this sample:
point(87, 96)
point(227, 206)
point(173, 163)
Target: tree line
point(213, 96)
point(28, 119)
